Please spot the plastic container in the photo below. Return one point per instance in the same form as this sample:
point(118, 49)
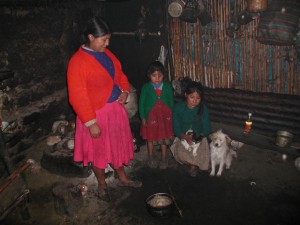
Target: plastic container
point(248, 125)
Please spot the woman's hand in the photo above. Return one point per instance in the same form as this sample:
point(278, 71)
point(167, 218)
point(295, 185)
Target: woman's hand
point(123, 97)
point(95, 130)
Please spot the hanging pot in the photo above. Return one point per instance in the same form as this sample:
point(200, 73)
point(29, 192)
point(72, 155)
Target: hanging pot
point(205, 17)
point(191, 12)
point(257, 5)
point(175, 8)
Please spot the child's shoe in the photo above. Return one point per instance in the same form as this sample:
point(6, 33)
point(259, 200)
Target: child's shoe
point(152, 163)
point(163, 164)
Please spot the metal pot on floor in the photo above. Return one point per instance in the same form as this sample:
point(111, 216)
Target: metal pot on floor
point(284, 138)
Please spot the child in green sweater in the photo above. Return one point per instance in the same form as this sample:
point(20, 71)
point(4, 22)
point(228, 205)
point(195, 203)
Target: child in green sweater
point(155, 109)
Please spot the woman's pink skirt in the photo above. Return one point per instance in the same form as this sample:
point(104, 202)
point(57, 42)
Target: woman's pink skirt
point(115, 144)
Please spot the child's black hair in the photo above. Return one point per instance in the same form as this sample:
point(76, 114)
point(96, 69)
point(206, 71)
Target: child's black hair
point(155, 66)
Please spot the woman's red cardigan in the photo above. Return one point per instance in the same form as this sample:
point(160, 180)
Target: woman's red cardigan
point(90, 85)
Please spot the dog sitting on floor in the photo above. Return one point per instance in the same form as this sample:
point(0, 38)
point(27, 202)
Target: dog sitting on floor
point(221, 152)
point(195, 144)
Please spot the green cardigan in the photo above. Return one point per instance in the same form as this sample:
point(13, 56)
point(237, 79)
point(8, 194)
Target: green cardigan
point(185, 118)
point(149, 97)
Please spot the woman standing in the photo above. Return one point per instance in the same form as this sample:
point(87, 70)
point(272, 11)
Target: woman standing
point(98, 90)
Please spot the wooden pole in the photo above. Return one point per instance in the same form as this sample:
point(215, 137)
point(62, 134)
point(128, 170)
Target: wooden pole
point(14, 175)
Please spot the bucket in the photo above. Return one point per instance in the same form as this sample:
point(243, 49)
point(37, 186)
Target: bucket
point(284, 139)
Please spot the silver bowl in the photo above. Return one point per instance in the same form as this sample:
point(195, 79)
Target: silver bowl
point(160, 204)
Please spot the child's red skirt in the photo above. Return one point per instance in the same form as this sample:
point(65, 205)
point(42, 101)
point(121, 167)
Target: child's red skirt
point(159, 124)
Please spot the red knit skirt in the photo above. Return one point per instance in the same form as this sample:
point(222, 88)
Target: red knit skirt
point(115, 144)
point(159, 124)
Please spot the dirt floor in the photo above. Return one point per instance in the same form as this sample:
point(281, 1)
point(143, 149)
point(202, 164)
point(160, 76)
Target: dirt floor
point(261, 188)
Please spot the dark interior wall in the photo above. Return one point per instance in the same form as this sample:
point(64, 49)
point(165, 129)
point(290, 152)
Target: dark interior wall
point(270, 112)
point(37, 39)
point(36, 42)
point(31, 48)
point(135, 55)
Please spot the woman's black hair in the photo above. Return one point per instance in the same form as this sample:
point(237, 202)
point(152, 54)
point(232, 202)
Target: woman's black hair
point(97, 27)
point(192, 87)
point(155, 66)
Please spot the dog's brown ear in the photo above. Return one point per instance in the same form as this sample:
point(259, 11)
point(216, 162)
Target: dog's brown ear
point(228, 139)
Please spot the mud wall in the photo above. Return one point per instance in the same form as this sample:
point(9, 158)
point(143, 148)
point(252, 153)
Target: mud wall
point(37, 39)
point(32, 53)
point(36, 42)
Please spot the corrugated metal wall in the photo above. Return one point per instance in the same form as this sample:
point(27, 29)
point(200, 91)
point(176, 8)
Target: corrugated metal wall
point(207, 54)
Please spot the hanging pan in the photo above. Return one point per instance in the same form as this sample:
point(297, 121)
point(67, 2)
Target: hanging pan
point(175, 8)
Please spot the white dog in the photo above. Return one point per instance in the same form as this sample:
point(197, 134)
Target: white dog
point(221, 153)
point(191, 147)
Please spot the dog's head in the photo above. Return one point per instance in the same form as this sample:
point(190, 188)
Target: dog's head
point(218, 139)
